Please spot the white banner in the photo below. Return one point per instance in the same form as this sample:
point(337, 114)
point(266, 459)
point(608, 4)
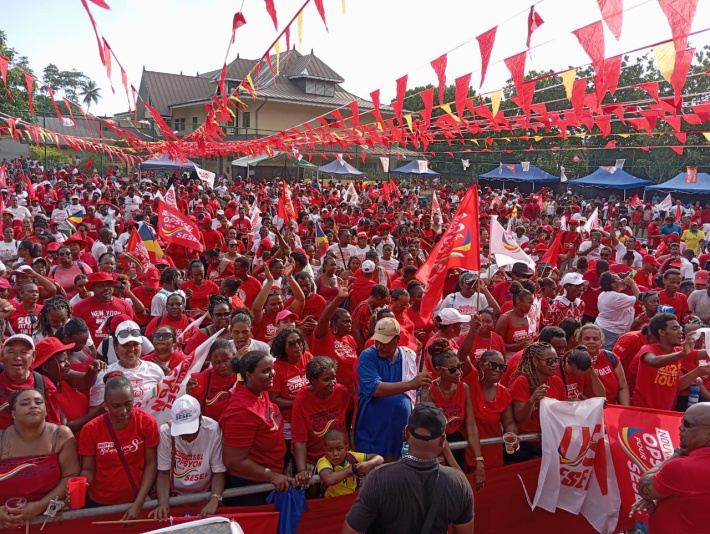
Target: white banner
point(666, 203)
point(159, 400)
point(504, 247)
point(619, 163)
point(593, 221)
point(563, 176)
point(525, 165)
point(466, 164)
point(385, 163)
point(206, 176)
point(171, 197)
point(435, 206)
point(577, 473)
point(423, 165)
point(352, 195)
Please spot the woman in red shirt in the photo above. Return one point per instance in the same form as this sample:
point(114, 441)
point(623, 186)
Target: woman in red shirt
point(166, 355)
point(531, 382)
point(485, 338)
point(121, 432)
point(422, 329)
point(452, 395)
point(252, 425)
point(220, 311)
point(317, 409)
point(212, 386)
point(197, 289)
point(332, 338)
point(513, 326)
point(269, 302)
point(76, 333)
point(174, 316)
point(606, 365)
point(23, 319)
point(492, 405)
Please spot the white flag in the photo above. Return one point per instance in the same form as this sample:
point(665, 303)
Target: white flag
point(666, 203)
point(593, 221)
point(385, 163)
point(193, 325)
point(435, 207)
point(423, 165)
point(500, 168)
point(525, 165)
point(563, 223)
point(504, 247)
point(339, 157)
point(352, 195)
point(171, 197)
point(466, 164)
point(577, 473)
point(67, 122)
point(563, 176)
point(619, 163)
point(206, 176)
point(254, 212)
point(159, 399)
point(297, 154)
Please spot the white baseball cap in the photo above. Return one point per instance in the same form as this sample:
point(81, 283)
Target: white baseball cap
point(128, 331)
point(185, 416)
point(452, 316)
point(368, 266)
point(572, 278)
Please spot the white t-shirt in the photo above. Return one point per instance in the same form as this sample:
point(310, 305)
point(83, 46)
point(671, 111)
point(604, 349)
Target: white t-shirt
point(143, 377)
point(132, 203)
point(110, 355)
point(255, 345)
point(699, 303)
point(8, 250)
point(616, 311)
point(465, 306)
point(389, 265)
point(361, 252)
point(621, 251)
point(343, 254)
point(20, 212)
point(160, 299)
point(594, 254)
point(194, 462)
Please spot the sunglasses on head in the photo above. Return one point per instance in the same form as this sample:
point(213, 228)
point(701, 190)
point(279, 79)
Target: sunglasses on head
point(162, 336)
point(493, 366)
point(454, 368)
point(550, 362)
point(133, 332)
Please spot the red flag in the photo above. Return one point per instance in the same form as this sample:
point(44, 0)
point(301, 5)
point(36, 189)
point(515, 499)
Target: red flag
point(54, 103)
point(237, 22)
point(31, 194)
point(516, 66)
point(462, 87)
point(4, 62)
point(29, 81)
point(89, 163)
point(458, 247)
point(175, 228)
point(96, 32)
point(401, 90)
point(439, 66)
point(135, 254)
point(321, 12)
point(613, 15)
point(101, 3)
point(394, 189)
point(285, 208)
point(271, 10)
point(552, 256)
point(678, 211)
point(3, 175)
point(680, 15)
point(107, 62)
point(71, 114)
point(591, 37)
point(485, 44)
point(534, 22)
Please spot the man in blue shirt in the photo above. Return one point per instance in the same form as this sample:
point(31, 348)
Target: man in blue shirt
point(671, 227)
point(388, 378)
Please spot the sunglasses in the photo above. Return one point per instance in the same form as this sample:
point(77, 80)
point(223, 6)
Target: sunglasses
point(232, 245)
point(493, 366)
point(64, 254)
point(162, 336)
point(133, 332)
point(298, 343)
point(454, 369)
point(222, 315)
point(550, 362)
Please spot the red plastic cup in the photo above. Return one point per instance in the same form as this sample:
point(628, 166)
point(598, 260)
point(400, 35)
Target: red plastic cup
point(77, 492)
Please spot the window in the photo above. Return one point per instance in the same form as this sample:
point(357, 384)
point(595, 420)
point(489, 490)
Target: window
point(194, 123)
point(246, 119)
point(179, 124)
point(319, 87)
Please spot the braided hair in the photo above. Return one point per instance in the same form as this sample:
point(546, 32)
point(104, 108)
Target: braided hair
point(216, 300)
point(526, 367)
point(43, 328)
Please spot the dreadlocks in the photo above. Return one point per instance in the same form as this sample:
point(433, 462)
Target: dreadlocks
point(526, 367)
point(43, 328)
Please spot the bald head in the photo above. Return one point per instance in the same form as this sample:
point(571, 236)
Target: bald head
point(695, 428)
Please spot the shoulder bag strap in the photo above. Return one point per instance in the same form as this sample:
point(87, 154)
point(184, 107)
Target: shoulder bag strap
point(172, 463)
point(121, 456)
point(434, 505)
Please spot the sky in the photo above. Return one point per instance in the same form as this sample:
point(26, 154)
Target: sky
point(371, 45)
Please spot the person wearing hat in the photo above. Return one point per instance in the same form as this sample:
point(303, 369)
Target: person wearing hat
point(97, 309)
point(501, 290)
point(390, 492)
point(189, 442)
point(699, 300)
point(569, 304)
point(473, 295)
point(693, 237)
point(388, 378)
point(382, 238)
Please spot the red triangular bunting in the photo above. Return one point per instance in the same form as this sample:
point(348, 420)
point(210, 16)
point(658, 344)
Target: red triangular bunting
point(516, 66)
point(485, 43)
point(613, 15)
point(439, 66)
point(680, 15)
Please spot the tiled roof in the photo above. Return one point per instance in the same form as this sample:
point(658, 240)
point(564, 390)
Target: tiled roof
point(311, 67)
point(166, 89)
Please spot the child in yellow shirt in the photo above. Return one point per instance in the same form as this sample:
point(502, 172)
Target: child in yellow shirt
point(340, 469)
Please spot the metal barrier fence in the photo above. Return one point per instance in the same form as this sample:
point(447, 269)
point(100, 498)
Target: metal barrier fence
point(231, 492)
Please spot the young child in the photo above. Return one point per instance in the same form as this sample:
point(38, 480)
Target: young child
point(340, 469)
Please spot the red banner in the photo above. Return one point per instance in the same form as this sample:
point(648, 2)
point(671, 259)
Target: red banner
point(135, 254)
point(175, 228)
point(639, 438)
point(285, 209)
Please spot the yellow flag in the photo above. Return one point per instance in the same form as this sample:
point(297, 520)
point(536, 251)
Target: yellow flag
point(538, 138)
point(665, 57)
point(495, 101)
point(624, 135)
point(342, 2)
point(408, 118)
point(475, 141)
point(568, 77)
point(251, 83)
point(706, 135)
point(300, 29)
point(447, 109)
point(277, 50)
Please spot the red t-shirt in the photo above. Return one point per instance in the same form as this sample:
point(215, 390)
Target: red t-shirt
point(7, 388)
point(607, 376)
point(96, 315)
point(289, 379)
point(575, 385)
point(454, 408)
point(683, 486)
point(111, 484)
point(627, 346)
point(213, 391)
point(313, 417)
point(265, 330)
point(146, 299)
point(255, 422)
point(520, 391)
point(176, 358)
point(656, 388)
point(200, 295)
point(500, 292)
point(419, 324)
point(20, 321)
point(481, 344)
point(313, 307)
point(179, 325)
point(679, 303)
point(360, 291)
point(488, 419)
point(249, 290)
point(591, 294)
point(215, 276)
point(512, 366)
point(343, 350)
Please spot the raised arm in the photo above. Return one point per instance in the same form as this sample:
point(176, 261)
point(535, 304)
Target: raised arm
point(324, 321)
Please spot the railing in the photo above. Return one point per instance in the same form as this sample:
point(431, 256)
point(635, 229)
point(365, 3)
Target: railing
point(231, 492)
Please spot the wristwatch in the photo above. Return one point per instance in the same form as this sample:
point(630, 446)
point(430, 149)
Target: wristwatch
point(217, 496)
point(354, 468)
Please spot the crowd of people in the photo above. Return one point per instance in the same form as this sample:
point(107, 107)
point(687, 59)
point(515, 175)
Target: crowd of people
point(323, 349)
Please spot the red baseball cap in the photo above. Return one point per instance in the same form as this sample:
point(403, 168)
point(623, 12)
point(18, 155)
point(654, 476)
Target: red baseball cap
point(650, 258)
point(152, 278)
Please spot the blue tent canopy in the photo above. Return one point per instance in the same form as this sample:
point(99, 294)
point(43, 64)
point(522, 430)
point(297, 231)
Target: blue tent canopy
point(619, 179)
point(534, 175)
point(166, 162)
point(413, 168)
point(702, 186)
point(339, 168)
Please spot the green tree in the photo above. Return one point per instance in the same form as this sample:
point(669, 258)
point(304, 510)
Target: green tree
point(90, 92)
point(19, 107)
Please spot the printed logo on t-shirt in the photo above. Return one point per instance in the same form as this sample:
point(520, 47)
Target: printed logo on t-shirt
point(453, 413)
point(343, 350)
point(272, 418)
point(188, 466)
point(668, 376)
point(296, 384)
point(137, 384)
point(322, 422)
point(107, 447)
point(270, 331)
point(24, 325)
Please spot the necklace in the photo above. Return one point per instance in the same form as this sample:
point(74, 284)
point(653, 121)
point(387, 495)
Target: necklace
point(447, 395)
point(419, 460)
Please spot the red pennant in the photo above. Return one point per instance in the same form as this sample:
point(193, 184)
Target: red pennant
point(610, 144)
point(375, 96)
point(107, 59)
point(287, 33)
point(321, 12)
point(485, 44)
point(96, 32)
point(613, 15)
point(516, 66)
point(680, 72)
point(463, 84)
point(612, 69)
point(681, 136)
point(29, 81)
point(101, 3)
point(167, 132)
point(439, 66)
point(673, 121)
point(56, 108)
point(525, 96)
point(237, 22)
point(591, 38)
point(355, 113)
point(534, 22)
point(4, 62)
point(271, 10)
point(678, 150)
point(651, 117)
point(680, 15)
point(401, 90)
point(604, 123)
point(579, 89)
point(428, 99)
point(651, 88)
